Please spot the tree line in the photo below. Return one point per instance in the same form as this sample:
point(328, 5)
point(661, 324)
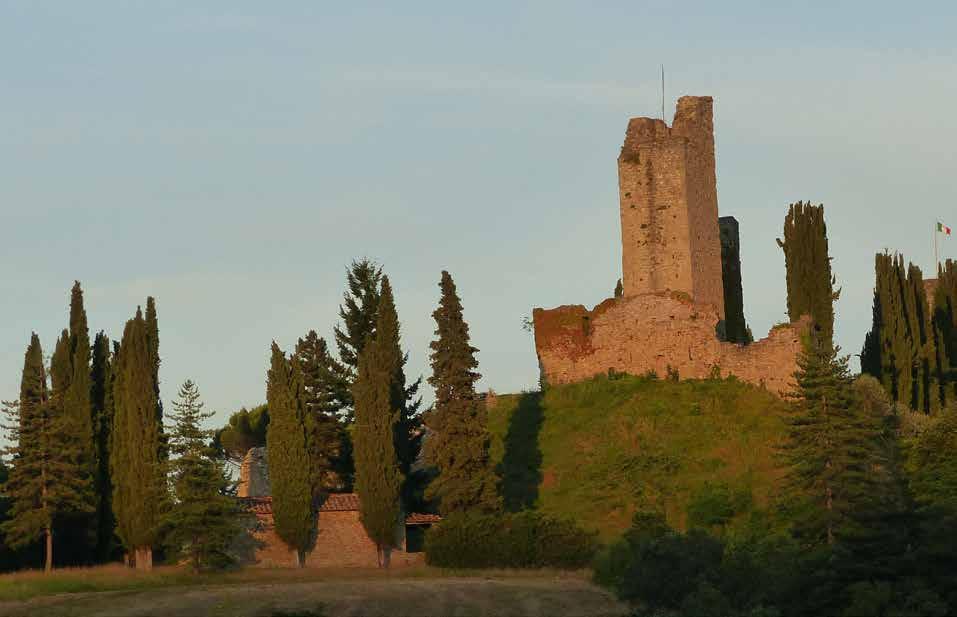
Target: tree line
point(98, 469)
point(356, 423)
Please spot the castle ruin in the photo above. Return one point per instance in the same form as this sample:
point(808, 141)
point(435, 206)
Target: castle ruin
point(681, 274)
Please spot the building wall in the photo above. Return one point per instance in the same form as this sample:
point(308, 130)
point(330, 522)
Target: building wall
point(651, 332)
point(341, 542)
point(669, 206)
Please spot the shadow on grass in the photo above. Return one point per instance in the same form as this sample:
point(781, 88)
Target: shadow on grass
point(520, 471)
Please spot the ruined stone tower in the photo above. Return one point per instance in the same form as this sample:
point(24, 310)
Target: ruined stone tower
point(669, 205)
point(681, 311)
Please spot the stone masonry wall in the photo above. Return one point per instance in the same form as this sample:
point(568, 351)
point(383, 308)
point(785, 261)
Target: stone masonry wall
point(651, 332)
point(342, 542)
point(669, 205)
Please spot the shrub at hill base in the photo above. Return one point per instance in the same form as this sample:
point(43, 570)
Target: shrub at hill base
point(521, 540)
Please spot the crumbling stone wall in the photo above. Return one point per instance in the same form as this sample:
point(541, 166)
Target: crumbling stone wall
point(652, 332)
point(669, 205)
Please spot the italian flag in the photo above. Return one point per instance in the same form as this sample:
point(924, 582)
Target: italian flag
point(943, 229)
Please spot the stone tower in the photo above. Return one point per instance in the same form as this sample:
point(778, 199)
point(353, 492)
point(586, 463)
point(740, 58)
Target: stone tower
point(669, 206)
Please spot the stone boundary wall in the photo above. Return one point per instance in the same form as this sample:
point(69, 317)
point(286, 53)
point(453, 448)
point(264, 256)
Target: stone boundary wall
point(651, 332)
point(341, 543)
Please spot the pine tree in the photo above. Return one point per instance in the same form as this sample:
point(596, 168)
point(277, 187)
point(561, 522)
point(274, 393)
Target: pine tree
point(136, 465)
point(379, 398)
point(325, 388)
point(45, 481)
point(101, 398)
point(359, 310)
point(203, 522)
point(842, 463)
point(459, 444)
point(810, 285)
point(245, 429)
point(290, 467)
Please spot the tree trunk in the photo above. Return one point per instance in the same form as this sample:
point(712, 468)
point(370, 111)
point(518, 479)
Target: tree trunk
point(48, 564)
point(144, 558)
point(386, 556)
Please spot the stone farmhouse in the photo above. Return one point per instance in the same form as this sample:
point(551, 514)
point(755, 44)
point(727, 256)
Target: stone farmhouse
point(341, 540)
point(677, 289)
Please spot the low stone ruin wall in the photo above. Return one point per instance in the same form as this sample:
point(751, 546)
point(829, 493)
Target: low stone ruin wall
point(652, 332)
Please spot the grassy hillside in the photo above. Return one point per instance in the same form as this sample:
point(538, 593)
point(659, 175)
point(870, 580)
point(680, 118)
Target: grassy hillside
point(598, 450)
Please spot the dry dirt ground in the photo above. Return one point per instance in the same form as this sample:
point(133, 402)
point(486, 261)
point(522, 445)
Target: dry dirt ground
point(368, 598)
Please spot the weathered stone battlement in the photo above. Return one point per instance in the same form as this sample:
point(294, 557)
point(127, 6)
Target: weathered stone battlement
point(673, 279)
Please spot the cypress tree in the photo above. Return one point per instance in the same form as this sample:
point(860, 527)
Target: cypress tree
point(46, 480)
point(358, 311)
point(290, 467)
point(74, 351)
point(459, 444)
point(379, 397)
point(61, 370)
point(401, 397)
point(152, 339)
point(945, 327)
point(810, 285)
point(101, 398)
point(203, 522)
point(325, 384)
point(136, 466)
point(902, 347)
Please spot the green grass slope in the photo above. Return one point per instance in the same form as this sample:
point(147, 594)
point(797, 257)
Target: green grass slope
point(704, 450)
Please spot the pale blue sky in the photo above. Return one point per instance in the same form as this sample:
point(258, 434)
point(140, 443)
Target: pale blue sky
point(232, 158)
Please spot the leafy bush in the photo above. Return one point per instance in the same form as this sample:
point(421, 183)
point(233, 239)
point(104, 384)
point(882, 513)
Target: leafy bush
point(715, 504)
point(522, 540)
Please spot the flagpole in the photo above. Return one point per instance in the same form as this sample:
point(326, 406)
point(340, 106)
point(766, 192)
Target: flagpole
point(936, 257)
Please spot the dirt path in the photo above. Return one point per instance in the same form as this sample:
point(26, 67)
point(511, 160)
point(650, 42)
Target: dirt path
point(370, 598)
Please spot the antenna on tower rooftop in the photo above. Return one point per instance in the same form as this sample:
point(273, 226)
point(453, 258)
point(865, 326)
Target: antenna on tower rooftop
point(663, 93)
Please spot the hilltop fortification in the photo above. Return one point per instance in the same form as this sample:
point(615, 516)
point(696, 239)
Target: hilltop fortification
point(678, 288)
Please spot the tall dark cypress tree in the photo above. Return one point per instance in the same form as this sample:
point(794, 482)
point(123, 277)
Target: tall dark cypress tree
point(810, 284)
point(402, 397)
point(459, 444)
point(74, 356)
point(379, 398)
point(152, 338)
point(136, 465)
point(325, 384)
point(101, 398)
point(46, 480)
point(290, 467)
point(901, 349)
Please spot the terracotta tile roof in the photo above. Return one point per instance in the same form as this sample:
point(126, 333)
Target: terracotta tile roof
point(340, 502)
point(335, 502)
point(418, 518)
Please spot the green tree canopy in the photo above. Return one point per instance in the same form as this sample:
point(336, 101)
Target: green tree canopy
point(459, 443)
point(290, 468)
point(136, 462)
point(204, 522)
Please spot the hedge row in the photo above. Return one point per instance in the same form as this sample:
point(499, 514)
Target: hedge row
point(522, 540)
